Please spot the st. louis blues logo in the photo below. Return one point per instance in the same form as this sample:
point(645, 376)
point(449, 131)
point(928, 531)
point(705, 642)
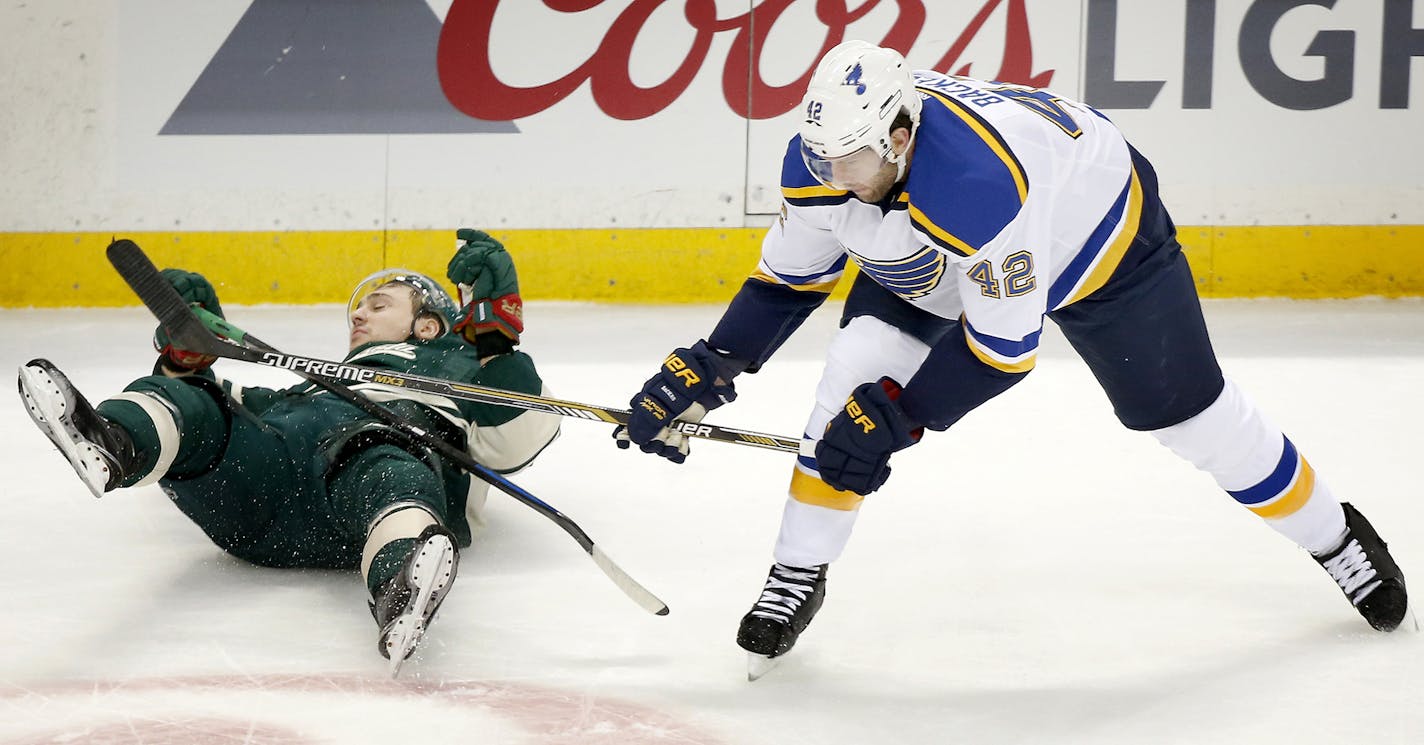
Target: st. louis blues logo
point(911, 277)
point(854, 79)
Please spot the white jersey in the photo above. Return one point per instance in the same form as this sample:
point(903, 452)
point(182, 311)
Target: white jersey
point(1018, 202)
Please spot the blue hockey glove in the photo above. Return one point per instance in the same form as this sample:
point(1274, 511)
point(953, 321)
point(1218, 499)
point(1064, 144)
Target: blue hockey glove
point(854, 453)
point(195, 289)
point(685, 389)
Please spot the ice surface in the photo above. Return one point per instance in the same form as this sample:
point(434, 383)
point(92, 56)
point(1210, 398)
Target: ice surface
point(1036, 574)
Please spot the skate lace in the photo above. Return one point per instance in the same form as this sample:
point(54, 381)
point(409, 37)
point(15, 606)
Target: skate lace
point(786, 589)
point(1351, 569)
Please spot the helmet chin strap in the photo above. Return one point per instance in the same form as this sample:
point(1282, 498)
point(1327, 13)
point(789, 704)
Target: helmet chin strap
point(900, 166)
point(902, 161)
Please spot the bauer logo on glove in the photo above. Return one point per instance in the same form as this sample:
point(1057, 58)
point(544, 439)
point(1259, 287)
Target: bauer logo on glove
point(854, 453)
point(679, 369)
point(858, 415)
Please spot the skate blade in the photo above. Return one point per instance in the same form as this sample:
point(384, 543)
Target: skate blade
point(759, 665)
point(53, 422)
point(405, 633)
point(401, 640)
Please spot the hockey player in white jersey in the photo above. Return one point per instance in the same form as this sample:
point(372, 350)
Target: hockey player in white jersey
point(974, 210)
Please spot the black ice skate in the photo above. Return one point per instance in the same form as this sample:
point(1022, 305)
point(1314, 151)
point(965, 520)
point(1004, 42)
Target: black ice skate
point(406, 603)
point(101, 452)
point(1368, 575)
point(789, 601)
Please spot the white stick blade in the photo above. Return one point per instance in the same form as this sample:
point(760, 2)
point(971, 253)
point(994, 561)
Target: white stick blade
point(628, 585)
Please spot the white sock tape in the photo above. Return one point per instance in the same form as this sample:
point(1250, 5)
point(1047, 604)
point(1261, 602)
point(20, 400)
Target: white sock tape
point(166, 427)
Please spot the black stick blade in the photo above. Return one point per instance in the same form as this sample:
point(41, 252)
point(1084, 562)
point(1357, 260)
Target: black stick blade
point(173, 314)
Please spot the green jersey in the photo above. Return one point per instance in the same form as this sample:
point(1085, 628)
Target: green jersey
point(294, 477)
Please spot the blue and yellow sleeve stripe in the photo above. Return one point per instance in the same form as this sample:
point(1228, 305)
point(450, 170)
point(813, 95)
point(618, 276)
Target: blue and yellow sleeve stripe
point(822, 281)
point(1002, 354)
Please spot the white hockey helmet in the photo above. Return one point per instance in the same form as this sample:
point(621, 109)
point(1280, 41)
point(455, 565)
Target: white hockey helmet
point(856, 92)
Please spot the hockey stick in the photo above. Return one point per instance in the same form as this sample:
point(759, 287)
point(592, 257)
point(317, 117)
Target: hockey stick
point(189, 333)
point(184, 326)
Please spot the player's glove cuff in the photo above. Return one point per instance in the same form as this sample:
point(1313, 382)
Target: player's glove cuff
point(170, 369)
point(178, 361)
point(183, 362)
point(504, 315)
point(719, 369)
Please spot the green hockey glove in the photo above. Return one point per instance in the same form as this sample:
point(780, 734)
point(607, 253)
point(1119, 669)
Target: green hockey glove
point(195, 290)
point(489, 287)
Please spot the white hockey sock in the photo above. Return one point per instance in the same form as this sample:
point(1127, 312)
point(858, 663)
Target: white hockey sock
point(815, 523)
point(400, 520)
point(1259, 467)
point(161, 415)
point(817, 520)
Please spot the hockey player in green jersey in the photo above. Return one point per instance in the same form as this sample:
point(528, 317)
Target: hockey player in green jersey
point(298, 477)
